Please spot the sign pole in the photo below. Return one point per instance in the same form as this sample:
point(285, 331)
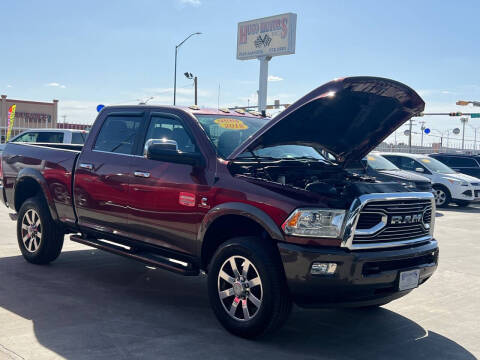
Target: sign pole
point(263, 83)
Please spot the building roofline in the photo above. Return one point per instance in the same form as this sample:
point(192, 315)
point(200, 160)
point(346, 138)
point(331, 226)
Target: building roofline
point(29, 101)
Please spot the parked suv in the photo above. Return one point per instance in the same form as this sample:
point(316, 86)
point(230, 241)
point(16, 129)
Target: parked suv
point(449, 186)
point(251, 202)
point(377, 166)
point(466, 164)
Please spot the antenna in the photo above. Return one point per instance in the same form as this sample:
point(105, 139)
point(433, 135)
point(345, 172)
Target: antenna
point(218, 100)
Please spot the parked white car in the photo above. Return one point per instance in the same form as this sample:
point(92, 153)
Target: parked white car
point(59, 136)
point(449, 185)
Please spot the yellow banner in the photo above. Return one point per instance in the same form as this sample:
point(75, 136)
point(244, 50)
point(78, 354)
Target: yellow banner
point(11, 120)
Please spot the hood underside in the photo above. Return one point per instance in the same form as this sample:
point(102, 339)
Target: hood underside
point(347, 117)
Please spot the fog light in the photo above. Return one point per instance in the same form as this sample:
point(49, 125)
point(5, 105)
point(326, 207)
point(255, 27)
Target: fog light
point(323, 268)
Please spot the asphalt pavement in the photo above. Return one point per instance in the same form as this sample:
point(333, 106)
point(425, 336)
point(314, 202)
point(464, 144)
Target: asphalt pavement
point(92, 305)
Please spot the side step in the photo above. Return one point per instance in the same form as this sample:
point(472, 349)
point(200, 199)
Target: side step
point(149, 258)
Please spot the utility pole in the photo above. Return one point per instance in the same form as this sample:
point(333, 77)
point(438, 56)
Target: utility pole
point(195, 82)
point(423, 129)
point(410, 137)
point(64, 120)
point(464, 120)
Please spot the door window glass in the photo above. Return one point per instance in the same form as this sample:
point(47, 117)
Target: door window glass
point(117, 134)
point(462, 162)
point(27, 137)
point(79, 138)
point(170, 129)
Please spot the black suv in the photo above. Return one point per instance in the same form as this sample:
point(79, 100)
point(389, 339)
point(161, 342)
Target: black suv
point(467, 164)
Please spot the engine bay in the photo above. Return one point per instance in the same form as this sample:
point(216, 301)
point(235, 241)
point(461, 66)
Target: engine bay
point(319, 177)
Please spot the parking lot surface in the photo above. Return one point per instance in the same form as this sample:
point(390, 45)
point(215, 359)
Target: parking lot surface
point(93, 305)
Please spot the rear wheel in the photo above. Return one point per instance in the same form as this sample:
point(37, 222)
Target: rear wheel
point(247, 287)
point(442, 196)
point(39, 239)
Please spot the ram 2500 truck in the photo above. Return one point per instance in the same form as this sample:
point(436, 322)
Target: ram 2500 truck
point(250, 201)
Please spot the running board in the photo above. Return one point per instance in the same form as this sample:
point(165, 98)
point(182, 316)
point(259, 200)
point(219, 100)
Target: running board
point(149, 258)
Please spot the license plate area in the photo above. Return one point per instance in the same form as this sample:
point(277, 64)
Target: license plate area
point(408, 279)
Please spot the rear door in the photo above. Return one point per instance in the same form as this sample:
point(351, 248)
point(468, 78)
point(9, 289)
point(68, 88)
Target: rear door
point(104, 171)
point(168, 200)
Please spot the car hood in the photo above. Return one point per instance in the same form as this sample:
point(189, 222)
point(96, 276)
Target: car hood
point(404, 175)
point(461, 177)
point(347, 117)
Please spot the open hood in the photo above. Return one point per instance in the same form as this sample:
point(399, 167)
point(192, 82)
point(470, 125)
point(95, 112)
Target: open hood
point(347, 117)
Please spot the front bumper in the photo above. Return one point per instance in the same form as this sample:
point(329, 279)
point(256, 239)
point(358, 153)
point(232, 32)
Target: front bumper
point(362, 278)
point(470, 193)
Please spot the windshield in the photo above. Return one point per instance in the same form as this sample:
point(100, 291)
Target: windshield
point(379, 163)
point(227, 132)
point(435, 166)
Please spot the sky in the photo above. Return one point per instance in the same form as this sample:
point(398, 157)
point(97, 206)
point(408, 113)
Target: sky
point(87, 52)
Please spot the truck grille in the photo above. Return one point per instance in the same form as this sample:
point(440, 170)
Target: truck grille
point(400, 220)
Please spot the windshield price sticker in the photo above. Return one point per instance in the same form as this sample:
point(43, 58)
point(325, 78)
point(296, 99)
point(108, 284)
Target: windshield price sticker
point(426, 161)
point(232, 124)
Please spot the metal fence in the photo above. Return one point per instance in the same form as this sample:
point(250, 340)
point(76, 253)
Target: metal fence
point(435, 148)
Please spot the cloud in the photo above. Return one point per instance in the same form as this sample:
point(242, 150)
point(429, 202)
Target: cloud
point(195, 3)
point(9, 86)
point(55, 84)
point(274, 78)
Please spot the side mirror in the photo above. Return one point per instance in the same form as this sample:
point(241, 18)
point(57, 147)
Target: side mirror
point(167, 150)
point(420, 170)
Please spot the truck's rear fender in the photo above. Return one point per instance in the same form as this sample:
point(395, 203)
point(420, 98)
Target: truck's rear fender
point(30, 182)
point(233, 219)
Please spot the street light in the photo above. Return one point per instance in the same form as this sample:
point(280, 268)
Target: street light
point(175, 75)
point(195, 82)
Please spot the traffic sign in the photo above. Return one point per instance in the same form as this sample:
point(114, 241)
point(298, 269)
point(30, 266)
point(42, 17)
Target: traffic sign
point(477, 115)
point(427, 131)
point(100, 107)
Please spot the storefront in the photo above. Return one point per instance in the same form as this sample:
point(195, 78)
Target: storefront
point(28, 115)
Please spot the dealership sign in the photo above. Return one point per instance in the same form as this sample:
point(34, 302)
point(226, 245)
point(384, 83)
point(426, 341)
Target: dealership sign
point(270, 36)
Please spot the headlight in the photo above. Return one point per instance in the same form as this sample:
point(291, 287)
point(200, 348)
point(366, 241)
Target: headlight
point(409, 184)
point(315, 223)
point(458, 182)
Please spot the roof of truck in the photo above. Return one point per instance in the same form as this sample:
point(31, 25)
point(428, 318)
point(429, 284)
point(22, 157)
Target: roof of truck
point(196, 110)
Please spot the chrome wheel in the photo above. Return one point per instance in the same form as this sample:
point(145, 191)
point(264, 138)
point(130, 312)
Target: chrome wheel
point(440, 197)
point(240, 288)
point(31, 231)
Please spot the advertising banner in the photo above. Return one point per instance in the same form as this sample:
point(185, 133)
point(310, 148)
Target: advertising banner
point(10, 120)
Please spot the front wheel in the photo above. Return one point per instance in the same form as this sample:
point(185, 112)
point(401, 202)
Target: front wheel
point(247, 287)
point(442, 196)
point(39, 239)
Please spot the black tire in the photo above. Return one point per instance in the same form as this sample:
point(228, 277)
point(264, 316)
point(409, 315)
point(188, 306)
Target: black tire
point(276, 303)
point(442, 202)
point(462, 203)
point(43, 239)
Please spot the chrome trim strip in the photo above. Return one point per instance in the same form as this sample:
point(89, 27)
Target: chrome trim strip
point(373, 229)
point(359, 203)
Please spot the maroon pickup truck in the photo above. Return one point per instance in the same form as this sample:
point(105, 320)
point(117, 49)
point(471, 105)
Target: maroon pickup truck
point(264, 206)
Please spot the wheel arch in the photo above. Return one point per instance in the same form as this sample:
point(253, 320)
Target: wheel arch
point(29, 183)
point(231, 220)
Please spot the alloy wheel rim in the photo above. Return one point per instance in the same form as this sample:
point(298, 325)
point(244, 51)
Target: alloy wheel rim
point(440, 196)
point(240, 288)
point(31, 230)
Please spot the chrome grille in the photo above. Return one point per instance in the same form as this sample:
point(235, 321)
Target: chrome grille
point(399, 227)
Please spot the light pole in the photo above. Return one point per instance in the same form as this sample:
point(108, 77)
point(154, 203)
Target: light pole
point(195, 83)
point(175, 74)
point(475, 129)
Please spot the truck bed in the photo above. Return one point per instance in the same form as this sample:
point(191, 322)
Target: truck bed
point(51, 165)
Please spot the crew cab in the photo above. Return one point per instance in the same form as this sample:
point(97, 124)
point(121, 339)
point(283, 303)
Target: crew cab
point(249, 201)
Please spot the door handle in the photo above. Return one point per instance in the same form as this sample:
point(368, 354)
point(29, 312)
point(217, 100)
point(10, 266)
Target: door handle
point(86, 166)
point(142, 174)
